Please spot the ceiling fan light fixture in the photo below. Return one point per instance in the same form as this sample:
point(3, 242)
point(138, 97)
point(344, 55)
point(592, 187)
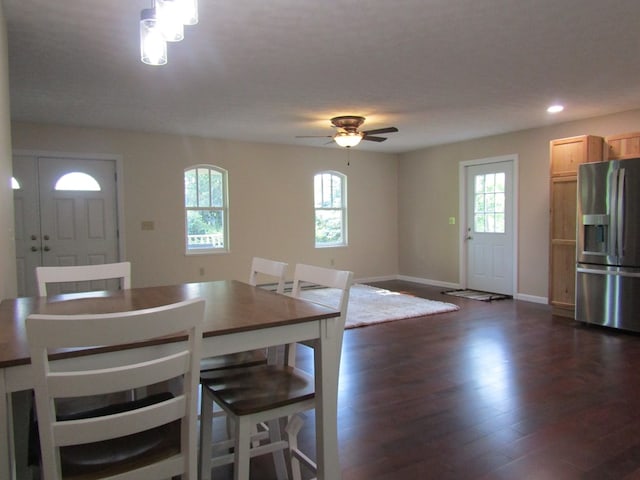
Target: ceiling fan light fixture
point(153, 47)
point(348, 139)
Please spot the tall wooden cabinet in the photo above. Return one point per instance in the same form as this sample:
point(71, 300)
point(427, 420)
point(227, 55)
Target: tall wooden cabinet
point(566, 154)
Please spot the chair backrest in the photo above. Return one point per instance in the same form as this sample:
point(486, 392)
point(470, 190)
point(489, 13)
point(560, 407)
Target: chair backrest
point(340, 280)
point(268, 267)
point(83, 273)
point(106, 374)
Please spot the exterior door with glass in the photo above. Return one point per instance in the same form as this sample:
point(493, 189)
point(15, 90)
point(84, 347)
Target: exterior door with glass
point(65, 214)
point(489, 235)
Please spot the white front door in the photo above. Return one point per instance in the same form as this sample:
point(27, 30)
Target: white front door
point(58, 224)
point(489, 227)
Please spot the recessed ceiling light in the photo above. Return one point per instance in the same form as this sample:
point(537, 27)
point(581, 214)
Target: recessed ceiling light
point(555, 108)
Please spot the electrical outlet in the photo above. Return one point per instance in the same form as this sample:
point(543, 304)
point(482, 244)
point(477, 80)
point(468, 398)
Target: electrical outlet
point(147, 225)
point(201, 271)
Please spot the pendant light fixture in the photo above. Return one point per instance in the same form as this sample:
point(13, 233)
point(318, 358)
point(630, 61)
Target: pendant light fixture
point(163, 23)
point(153, 46)
point(170, 19)
point(189, 12)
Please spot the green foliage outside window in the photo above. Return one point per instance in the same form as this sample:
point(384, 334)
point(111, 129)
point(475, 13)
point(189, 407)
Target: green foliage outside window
point(204, 190)
point(330, 208)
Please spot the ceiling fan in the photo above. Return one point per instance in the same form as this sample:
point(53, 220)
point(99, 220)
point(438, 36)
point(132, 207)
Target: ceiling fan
point(348, 134)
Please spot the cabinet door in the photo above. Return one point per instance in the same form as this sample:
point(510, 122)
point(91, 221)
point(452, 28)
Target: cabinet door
point(563, 208)
point(624, 146)
point(563, 266)
point(566, 155)
point(562, 261)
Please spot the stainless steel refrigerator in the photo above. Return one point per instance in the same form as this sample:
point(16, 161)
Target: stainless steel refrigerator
point(608, 244)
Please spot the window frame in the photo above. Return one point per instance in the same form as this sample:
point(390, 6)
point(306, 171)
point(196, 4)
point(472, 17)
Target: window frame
point(224, 209)
point(343, 209)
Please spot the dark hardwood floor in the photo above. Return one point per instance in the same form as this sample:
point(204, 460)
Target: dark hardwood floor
point(500, 390)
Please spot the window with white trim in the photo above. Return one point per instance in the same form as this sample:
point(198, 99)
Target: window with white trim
point(206, 209)
point(330, 202)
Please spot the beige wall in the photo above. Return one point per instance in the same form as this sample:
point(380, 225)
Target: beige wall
point(428, 196)
point(271, 201)
point(7, 247)
point(399, 205)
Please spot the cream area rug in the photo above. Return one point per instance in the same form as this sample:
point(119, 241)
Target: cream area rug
point(370, 305)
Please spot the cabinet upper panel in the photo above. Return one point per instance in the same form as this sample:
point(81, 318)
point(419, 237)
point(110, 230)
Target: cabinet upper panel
point(568, 153)
point(624, 146)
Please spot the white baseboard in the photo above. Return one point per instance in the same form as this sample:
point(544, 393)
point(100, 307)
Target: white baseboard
point(530, 298)
point(427, 281)
point(384, 278)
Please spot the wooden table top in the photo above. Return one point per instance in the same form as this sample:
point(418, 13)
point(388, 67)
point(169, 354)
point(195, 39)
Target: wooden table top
point(231, 306)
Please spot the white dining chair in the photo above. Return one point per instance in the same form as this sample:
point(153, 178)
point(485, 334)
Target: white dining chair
point(260, 268)
point(83, 273)
point(250, 395)
point(270, 268)
point(147, 439)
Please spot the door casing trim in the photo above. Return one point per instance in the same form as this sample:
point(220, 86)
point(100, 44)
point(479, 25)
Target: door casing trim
point(119, 182)
point(462, 214)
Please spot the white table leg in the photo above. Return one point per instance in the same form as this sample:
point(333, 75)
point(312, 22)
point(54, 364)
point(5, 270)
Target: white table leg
point(326, 360)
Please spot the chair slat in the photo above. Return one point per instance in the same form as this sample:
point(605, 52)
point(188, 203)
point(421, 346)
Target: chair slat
point(95, 429)
point(96, 382)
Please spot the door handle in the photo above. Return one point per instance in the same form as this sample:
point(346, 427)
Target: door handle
point(34, 249)
point(46, 248)
point(616, 273)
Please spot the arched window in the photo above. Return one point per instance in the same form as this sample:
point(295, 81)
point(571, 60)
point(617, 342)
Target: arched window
point(77, 181)
point(206, 209)
point(14, 184)
point(330, 202)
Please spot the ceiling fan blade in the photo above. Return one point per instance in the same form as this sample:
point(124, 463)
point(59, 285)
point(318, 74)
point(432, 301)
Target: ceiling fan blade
point(373, 139)
point(314, 136)
point(381, 130)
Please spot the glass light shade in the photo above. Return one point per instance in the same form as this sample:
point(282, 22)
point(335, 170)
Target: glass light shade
point(169, 17)
point(153, 47)
point(347, 139)
point(189, 11)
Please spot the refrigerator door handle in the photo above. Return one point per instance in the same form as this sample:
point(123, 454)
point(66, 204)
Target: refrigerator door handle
point(608, 272)
point(620, 213)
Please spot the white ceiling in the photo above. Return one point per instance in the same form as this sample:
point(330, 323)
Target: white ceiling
point(268, 70)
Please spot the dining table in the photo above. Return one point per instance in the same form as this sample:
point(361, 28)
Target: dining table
point(238, 317)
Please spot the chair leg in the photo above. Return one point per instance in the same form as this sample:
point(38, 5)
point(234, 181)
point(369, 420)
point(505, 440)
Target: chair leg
point(206, 435)
point(241, 455)
point(278, 456)
point(294, 426)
